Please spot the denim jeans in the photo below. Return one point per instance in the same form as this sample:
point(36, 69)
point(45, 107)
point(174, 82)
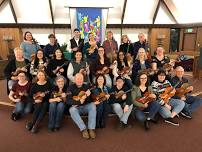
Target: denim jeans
point(177, 106)
point(40, 110)
point(192, 103)
point(152, 108)
point(123, 116)
point(89, 108)
point(23, 107)
point(56, 111)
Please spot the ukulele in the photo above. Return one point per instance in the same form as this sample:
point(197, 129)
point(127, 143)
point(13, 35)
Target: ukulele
point(180, 92)
point(100, 97)
point(105, 69)
point(19, 95)
point(167, 67)
point(83, 70)
point(40, 95)
point(168, 93)
point(59, 94)
point(15, 73)
point(124, 71)
point(145, 99)
point(57, 70)
point(121, 93)
point(81, 95)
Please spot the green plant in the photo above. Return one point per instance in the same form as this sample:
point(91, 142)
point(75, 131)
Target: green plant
point(63, 47)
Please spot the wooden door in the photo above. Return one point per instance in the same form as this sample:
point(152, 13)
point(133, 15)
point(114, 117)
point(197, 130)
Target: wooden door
point(189, 42)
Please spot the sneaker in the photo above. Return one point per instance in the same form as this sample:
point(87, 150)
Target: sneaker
point(120, 126)
point(85, 134)
point(185, 114)
point(127, 126)
point(146, 125)
point(29, 126)
point(14, 116)
point(34, 129)
point(92, 133)
point(171, 121)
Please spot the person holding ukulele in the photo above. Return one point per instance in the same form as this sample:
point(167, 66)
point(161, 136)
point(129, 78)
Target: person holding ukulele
point(164, 91)
point(81, 103)
point(182, 90)
point(144, 100)
point(121, 102)
point(100, 97)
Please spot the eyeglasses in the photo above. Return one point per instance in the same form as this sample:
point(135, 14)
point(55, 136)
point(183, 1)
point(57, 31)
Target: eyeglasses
point(143, 78)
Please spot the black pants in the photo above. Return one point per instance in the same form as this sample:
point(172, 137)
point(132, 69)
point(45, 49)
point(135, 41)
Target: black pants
point(40, 110)
point(102, 112)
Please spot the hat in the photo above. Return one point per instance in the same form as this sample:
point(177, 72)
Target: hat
point(51, 36)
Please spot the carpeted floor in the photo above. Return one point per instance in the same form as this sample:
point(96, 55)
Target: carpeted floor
point(161, 137)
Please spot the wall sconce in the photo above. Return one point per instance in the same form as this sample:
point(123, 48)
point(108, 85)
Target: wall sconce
point(7, 38)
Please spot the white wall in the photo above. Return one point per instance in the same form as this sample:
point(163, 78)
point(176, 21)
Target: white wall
point(64, 35)
point(131, 32)
point(41, 35)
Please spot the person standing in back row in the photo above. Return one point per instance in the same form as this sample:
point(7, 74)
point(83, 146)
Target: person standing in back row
point(76, 43)
point(110, 46)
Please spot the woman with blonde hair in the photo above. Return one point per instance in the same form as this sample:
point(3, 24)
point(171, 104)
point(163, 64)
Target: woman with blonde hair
point(141, 63)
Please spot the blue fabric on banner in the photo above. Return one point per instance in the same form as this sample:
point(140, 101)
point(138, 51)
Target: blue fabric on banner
point(89, 20)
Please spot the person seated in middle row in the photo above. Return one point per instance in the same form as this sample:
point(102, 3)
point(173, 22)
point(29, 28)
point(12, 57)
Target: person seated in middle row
point(78, 65)
point(39, 63)
point(141, 63)
point(57, 66)
point(101, 66)
point(121, 68)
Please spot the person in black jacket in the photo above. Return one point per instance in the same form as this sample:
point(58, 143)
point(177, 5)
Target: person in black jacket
point(192, 103)
point(50, 48)
point(126, 45)
point(101, 101)
point(76, 43)
point(57, 66)
point(81, 102)
point(17, 64)
point(141, 63)
point(139, 44)
point(122, 105)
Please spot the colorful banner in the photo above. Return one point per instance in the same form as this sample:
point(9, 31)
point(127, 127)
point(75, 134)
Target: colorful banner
point(89, 20)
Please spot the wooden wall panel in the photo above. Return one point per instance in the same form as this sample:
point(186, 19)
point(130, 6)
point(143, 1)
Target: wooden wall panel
point(159, 37)
point(189, 42)
point(17, 37)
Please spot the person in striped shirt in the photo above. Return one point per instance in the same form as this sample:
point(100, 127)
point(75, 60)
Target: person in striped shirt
point(170, 109)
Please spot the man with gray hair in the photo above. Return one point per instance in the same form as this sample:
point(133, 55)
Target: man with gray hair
point(182, 92)
point(81, 103)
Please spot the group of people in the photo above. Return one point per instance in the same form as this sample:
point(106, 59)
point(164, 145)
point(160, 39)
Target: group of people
point(98, 80)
